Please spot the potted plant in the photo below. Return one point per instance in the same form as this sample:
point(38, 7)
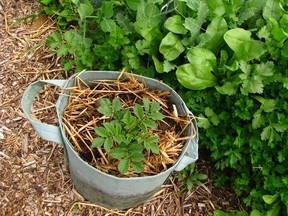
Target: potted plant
point(123, 134)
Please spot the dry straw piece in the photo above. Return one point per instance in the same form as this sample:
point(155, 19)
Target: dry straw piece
point(80, 117)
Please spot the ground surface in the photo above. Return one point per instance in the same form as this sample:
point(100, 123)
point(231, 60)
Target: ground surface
point(34, 180)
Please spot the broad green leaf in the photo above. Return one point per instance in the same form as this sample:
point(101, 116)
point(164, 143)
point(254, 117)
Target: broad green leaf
point(171, 46)
point(216, 8)
point(138, 111)
point(149, 124)
point(245, 48)
point(123, 165)
point(152, 139)
point(202, 57)
point(213, 37)
point(108, 25)
point(136, 147)
point(108, 143)
point(146, 104)
point(110, 127)
point(272, 9)
point(85, 9)
point(136, 156)
point(155, 106)
point(255, 213)
point(69, 36)
point(116, 104)
point(158, 65)
point(118, 153)
point(229, 88)
point(101, 131)
point(154, 148)
point(195, 77)
point(274, 211)
point(138, 167)
point(148, 15)
point(277, 32)
point(175, 24)
point(133, 4)
point(201, 176)
point(107, 9)
point(97, 142)
point(156, 116)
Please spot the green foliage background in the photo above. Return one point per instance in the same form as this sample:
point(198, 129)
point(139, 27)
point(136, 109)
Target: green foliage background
point(227, 59)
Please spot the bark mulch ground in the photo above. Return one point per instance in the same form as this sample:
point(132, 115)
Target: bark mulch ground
point(34, 179)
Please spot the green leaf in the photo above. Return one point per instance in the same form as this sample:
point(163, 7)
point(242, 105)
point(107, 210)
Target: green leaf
point(169, 66)
point(213, 38)
point(54, 40)
point(138, 167)
point(152, 139)
point(148, 15)
point(133, 4)
point(274, 211)
point(138, 111)
point(195, 76)
point(116, 104)
point(108, 143)
point(149, 124)
point(101, 131)
point(154, 148)
point(175, 24)
point(108, 25)
point(171, 46)
point(269, 105)
point(156, 116)
point(85, 9)
point(110, 127)
point(203, 57)
point(146, 104)
point(123, 165)
point(245, 48)
point(136, 156)
point(143, 47)
point(155, 106)
point(118, 153)
point(107, 9)
point(158, 65)
point(97, 142)
point(105, 107)
point(269, 199)
point(136, 147)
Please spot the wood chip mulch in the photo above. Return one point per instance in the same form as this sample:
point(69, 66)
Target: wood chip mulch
point(34, 179)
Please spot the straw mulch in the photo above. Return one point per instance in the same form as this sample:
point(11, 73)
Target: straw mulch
point(34, 179)
point(81, 117)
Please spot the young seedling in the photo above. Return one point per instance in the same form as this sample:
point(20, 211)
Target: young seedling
point(128, 133)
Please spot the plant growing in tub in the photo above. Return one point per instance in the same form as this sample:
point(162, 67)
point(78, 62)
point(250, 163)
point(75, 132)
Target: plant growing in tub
point(128, 132)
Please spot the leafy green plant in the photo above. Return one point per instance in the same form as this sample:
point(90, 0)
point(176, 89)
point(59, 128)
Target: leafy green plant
point(190, 177)
point(227, 59)
point(127, 135)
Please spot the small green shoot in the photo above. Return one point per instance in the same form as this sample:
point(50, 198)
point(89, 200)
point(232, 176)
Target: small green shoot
point(128, 133)
point(190, 177)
